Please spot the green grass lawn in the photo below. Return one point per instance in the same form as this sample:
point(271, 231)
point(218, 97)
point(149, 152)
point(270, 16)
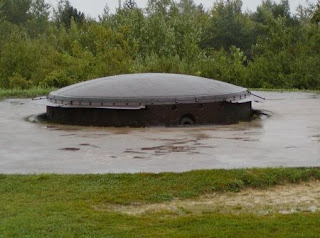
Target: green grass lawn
point(25, 93)
point(78, 205)
point(284, 90)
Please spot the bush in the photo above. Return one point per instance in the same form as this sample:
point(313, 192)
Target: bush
point(56, 79)
point(16, 81)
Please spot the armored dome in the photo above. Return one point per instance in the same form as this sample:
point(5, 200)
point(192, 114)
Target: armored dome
point(139, 90)
point(150, 99)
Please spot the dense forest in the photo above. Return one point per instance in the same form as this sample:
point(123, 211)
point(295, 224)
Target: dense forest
point(272, 47)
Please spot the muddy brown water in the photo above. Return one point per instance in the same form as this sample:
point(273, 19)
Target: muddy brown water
point(288, 138)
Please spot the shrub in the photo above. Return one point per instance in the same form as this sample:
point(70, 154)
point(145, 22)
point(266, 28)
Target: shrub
point(16, 81)
point(56, 79)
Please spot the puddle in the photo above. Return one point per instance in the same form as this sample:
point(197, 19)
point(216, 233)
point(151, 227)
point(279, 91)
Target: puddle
point(289, 136)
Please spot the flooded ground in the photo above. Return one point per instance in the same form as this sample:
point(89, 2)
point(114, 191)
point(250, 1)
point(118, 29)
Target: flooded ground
point(289, 138)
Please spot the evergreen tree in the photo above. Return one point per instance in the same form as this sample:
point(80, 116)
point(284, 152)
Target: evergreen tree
point(15, 11)
point(66, 13)
point(229, 27)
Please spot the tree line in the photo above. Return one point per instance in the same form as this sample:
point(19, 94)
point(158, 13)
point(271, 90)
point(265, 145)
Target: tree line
point(47, 46)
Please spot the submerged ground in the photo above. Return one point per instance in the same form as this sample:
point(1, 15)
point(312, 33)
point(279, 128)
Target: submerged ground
point(289, 137)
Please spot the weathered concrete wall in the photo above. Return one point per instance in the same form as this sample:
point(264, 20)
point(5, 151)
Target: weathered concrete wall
point(154, 115)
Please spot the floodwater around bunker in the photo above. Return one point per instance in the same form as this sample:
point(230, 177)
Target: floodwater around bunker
point(289, 138)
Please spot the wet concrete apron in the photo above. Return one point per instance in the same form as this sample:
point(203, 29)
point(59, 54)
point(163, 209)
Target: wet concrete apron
point(290, 138)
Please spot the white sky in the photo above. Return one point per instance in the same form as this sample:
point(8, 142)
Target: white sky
point(93, 8)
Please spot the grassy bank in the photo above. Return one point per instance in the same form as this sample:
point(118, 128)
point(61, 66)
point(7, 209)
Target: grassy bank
point(24, 93)
point(81, 205)
point(284, 90)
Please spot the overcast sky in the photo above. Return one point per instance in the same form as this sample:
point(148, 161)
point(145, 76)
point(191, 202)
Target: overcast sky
point(93, 8)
